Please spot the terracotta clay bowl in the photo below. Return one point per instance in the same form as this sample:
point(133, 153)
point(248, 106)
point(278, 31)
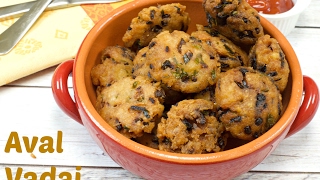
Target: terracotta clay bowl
point(300, 101)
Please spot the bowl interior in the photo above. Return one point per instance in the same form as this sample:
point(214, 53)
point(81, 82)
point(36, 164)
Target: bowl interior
point(109, 31)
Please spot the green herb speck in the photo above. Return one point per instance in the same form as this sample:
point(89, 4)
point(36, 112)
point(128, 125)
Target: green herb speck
point(135, 84)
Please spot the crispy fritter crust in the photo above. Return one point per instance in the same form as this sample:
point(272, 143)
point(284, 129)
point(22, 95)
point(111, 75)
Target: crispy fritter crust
point(235, 19)
point(207, 94)
point(116, 64)
point(267, 56)
point(179, 61)
point(139, 67)
point(249, 102)
point(153, 20)
point(131, 106)
point(229, 54)
point(191, 128)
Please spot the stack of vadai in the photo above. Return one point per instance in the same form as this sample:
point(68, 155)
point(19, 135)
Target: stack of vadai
point(188, 93)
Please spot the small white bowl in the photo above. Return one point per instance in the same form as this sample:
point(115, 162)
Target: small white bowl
point(286, 21)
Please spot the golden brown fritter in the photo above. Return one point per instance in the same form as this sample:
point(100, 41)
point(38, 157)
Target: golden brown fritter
point(116, 63)
point(235, 19)
point(139, 67)
point(191, 128)
point(148, 139)
point(249, 102)
point(207, 94)
point(172, 96)
point(179, 61)
point(153, 20)
point(267, 56)
point(131, 106)
point(229, 54)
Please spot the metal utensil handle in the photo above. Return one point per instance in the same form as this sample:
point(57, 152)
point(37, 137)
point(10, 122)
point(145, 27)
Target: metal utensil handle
point(11, 36)
point(18, 9)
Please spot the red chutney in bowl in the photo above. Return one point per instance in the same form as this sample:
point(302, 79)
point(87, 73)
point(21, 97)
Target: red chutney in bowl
point(271, 6)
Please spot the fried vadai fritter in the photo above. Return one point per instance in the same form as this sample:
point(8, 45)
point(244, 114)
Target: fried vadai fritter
point(179, 61)
point(131, 106)
point(229, 54)
point(207, 94)
point(153, 20)
point(172, 96)
point(267, 56)
point(191, 128)
point(249, 102)
point(235, 19)
point(139, 67)
point(116, 64)
point(148, 139)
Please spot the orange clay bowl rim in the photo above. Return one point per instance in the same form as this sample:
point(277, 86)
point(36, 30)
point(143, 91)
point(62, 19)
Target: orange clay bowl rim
point(263, 141)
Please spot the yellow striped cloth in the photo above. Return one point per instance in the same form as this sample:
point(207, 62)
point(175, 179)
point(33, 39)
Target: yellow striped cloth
point(54, 38)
